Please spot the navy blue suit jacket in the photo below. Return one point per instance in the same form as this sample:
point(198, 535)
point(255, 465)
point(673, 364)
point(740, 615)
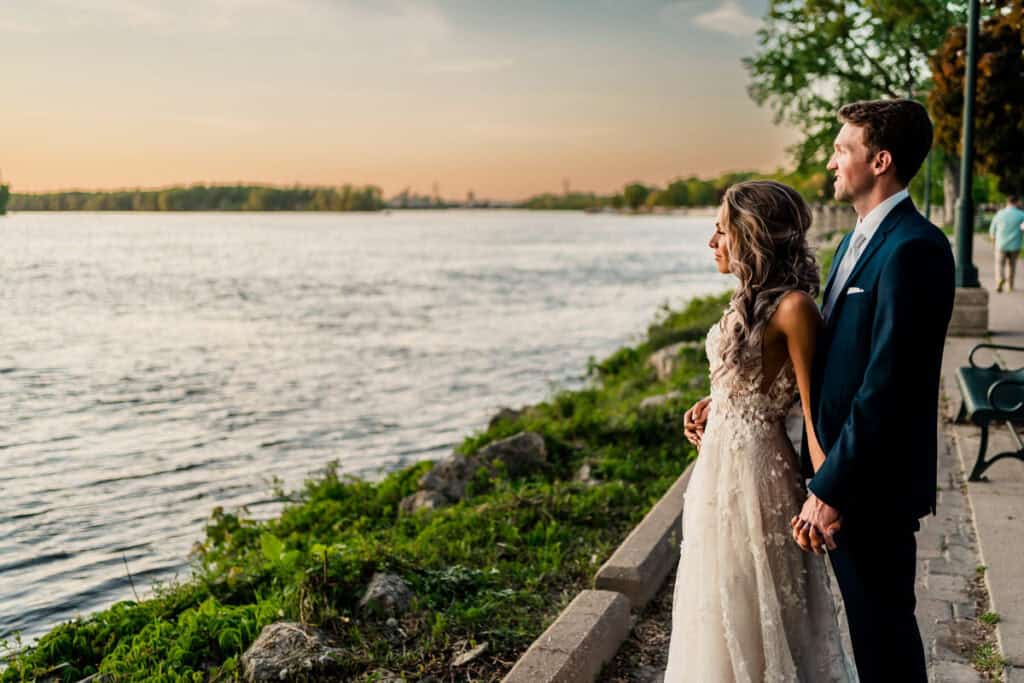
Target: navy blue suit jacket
point(875, 382)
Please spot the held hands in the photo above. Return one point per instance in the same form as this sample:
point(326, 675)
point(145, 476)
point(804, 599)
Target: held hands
point(695, 419)
point(815, 527)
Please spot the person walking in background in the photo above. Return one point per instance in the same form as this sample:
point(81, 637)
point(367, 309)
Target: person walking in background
point(1005, 230)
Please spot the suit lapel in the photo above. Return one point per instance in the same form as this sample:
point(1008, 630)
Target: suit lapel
point(888, 224)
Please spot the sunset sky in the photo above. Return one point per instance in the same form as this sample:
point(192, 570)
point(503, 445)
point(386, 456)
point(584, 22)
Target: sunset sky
point(503, 98)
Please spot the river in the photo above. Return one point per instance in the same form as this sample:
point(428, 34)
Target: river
point(156, 365)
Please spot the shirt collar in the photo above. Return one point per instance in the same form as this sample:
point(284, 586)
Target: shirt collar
point(868, 225)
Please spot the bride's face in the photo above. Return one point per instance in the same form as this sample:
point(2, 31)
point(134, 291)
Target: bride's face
point(720, 243)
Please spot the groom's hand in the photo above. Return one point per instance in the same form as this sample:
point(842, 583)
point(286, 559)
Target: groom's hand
point(810, 539)
point(695, 419)
point(814, 527)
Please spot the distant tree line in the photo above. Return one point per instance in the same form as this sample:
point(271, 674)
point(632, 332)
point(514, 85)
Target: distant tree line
point(815, 186)
point(207, 198)
point(679, 192)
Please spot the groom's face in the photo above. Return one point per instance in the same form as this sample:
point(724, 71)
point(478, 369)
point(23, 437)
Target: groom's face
point(851, 164)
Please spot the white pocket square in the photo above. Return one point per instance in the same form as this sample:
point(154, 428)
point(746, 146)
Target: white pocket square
point(854, 290)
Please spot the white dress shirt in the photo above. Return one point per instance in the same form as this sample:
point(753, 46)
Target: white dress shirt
point(866, 228)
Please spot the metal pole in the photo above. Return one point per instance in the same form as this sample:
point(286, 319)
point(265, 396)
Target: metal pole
point(966, 272)
point(928, 187)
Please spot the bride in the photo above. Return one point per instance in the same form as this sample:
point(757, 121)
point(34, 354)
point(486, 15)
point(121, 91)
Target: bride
point(749, 604)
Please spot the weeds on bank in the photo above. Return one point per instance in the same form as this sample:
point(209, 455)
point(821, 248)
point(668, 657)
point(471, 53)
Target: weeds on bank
point(987, 660)
point(496, 567)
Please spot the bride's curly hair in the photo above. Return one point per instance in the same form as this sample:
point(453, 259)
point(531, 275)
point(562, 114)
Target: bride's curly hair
point(767, 224)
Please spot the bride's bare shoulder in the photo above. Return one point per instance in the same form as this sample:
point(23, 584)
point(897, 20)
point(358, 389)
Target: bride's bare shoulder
point(797, 311)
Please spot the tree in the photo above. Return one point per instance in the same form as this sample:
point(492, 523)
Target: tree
point(677, 193)
point(701, 192)
point(816, 55)
point(999, 102)
point(635, 194)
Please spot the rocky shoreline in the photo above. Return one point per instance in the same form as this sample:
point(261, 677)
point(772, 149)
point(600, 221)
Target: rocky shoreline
point(440, 571)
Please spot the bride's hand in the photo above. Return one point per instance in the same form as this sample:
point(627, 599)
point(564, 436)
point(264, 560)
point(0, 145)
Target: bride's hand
point(695, 419)
point(815, 527)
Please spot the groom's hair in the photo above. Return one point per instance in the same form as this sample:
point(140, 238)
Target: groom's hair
point(901, 127)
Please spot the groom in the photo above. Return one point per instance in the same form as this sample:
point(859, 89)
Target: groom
point(875, 386)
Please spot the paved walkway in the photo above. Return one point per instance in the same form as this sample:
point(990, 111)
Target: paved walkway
point(997, 505)
point(969, 554)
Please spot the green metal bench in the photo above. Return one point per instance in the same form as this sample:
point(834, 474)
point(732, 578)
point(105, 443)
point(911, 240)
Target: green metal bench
point(992, 394)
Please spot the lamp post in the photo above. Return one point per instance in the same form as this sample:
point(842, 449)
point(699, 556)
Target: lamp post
point(970, 307)
point(966, 272)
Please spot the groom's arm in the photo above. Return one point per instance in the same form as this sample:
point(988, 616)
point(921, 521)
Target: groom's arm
point(914, 298)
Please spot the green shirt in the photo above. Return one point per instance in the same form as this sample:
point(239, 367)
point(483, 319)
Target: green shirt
point(1006, 228)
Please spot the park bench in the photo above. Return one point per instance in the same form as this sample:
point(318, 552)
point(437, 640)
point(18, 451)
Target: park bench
point(991, 394)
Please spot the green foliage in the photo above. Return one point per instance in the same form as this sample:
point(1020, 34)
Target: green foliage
point(208, 198)
point(990, 618)
point(683, 192)
point(497, 566)
point(575, 201)
point(5, 195)
point(986, 658)
point(825, 258)
point(999, 101)
point(203, 640)
point(689, 324)
point(635, 195)
point(814, 56)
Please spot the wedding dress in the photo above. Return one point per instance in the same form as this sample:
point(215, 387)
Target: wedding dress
point(749, 604)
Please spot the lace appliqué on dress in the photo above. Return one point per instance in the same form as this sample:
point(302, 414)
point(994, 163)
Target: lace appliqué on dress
point(749, 605)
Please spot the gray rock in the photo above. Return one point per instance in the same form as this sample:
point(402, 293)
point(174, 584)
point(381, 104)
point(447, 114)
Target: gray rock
point(505, 413)
point(286, 651)
point(386, 594)
point(660, 399)
point(450, 476)
point(423, 500)
point(520, 454)
point(664, 361)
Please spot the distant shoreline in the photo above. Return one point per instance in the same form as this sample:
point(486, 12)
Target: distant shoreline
point(697, 211)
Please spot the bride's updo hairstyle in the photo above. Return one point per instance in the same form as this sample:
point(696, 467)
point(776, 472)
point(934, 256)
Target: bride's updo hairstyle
point(767, 224)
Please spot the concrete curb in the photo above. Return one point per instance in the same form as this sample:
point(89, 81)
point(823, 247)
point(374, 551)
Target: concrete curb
point(586, 636)
point(640, 565)
point(588, 633)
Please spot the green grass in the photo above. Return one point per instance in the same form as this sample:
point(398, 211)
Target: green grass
point(986, 658)
point(496, 567)
point(990, 618)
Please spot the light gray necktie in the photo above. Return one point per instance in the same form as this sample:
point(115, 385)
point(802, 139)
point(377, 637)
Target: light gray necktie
point(845, 267)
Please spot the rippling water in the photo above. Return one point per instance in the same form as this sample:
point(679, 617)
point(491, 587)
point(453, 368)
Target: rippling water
point(153, 366)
